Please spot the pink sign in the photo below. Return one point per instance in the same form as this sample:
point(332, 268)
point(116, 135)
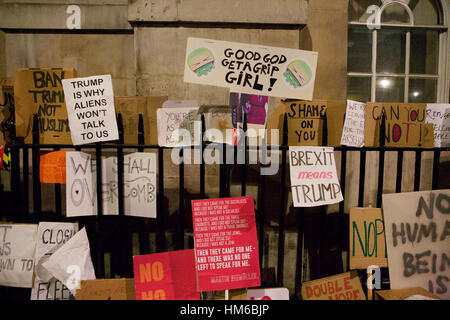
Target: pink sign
point(226, 247)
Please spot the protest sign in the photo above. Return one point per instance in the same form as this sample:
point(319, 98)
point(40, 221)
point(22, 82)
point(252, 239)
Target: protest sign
point(139, 185)
point(52, 167)
point(218, 120)
point(50, 237)
point(17, 245)
point(314, 180)
point(226, 247)
point(81, 198)
point(353, 132)
point(416, 293)
point(166, 276)
point(439, 115)
point(268, 294)
point(171, 119)
point(344, 286)
point(130, 108)
point(252, 69)
point(106, 289)
point(367, 241)
point(405, 125)
point(39, 90)
point(417, 230)
point(6, 104)
point(72, 262)
point(90, 107)
point(305, 122)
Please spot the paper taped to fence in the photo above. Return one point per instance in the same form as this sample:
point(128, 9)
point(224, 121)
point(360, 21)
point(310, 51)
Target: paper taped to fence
point(90, 108)
point(353, 132)
point(268, 294)
point(178, 127)
point(438, 114)
point(418, 237)
point(249, 68)
point(314, 180)
point(52, 167)
point(17, 245)
point(50, 237)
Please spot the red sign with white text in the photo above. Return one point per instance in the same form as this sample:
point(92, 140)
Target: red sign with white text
point(226, 247)
point(166, 276)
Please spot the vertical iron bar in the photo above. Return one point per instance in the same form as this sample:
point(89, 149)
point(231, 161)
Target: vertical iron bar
point(99, 245)
point(58, 201)
point(26, 181)
point(417, 167)
point(180, 244)
point(381, 160)
point(436, 160)
point(144, 242)
point(161, 237)
point(202, 164)
point(398, 182)
point(299, 261)
point(341, 216)
point(36, 179)
point(244, 166)
point(323, 209)
point(362, 177)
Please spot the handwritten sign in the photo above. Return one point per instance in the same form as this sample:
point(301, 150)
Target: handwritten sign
point(166, 276)
point(367, 241)
point(39, 90)
point(171, 119)
point(313, 174)
point(226, 247)
point(50, 237)
point(90, 106)
point(252, 69)
point(353, 132)
point(219, 119)
point(417, 237)
point(439, 116)
point(17, 245)
point(106, 289)
point(268, 294)
point(344, 286)
point(52, 167)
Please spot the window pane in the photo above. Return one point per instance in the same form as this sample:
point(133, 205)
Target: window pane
point(391, 48)
point(422, 90)
point(390, 89)
point(358, 88)
point(426, 12)
point(424, 52)
point(359, 50)
point(395, 13)
point(357, 9)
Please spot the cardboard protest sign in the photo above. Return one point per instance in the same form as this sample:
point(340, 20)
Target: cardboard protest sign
point(81, 198)
point(234, 294)
point(367, 241)
point(90, 107)
point(405, 294)
point(166, 276)
point(218, 123)
point(305, 122)
point(72, 262)
point(50, 237)
point(139, 185)
point(344, 286)
point(6, 103)
point(106, 289)
point(226, 247)
point(417, 230)
point(130, 108)
point(439, 115)
point(252, 69)
point(405, 125)
point(39, 90)
point(268, 294)
point(314, 180)
point(17, 244)
point(353, 132)
point(52, 167)
point(170, 120)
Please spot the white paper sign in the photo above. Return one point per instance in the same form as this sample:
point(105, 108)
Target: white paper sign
point(353, 131)
point(17, 245)
point(313, 174)
point(139, 185)
point(50, 237)
point(439, 115)
point(171, 119)
point(81, 194)
point(90, 109)
point(72, 262)
point(417, 226)
point(268, 294)
point(249, 68)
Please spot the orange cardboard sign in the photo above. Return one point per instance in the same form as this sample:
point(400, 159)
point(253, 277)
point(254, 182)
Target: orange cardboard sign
point(52, 167)
point(401, 294)
point(106, 289)
point(344, 286)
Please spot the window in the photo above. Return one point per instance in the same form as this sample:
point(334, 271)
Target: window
point(398, 51)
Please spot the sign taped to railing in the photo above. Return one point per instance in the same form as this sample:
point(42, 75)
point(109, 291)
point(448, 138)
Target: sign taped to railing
point(438, 114)
point(353, 132)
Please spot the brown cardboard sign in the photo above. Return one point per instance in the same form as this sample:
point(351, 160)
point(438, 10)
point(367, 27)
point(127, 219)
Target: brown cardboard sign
point(6, 101)
point(39, 90)
point(367, 241)
point(344, 286)
point(305, 121)
point(106, 289)
point(405, 124)
point(401, 294)
point(130, 107)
